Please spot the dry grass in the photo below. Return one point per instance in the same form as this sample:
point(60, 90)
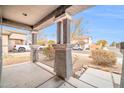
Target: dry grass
point(84, 60)
point(114, 69)
point(79, 61)
point(14, 59)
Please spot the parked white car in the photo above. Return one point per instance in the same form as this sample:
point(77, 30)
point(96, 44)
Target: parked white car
point(86, 47)
point(83, 48)
point(77, 47)
point(24, 48)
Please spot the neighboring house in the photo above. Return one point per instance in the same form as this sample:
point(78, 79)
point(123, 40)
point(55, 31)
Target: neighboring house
point(10, 38)
point(84, 41)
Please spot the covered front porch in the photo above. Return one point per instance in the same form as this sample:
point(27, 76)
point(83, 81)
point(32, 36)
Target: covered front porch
point(38, 75)
point(34, 74)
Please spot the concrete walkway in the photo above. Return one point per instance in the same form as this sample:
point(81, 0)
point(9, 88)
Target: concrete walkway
point(100, 79)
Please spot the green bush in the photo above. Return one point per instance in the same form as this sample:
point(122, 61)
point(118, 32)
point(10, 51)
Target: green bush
point(103, 57)
point(49, 52)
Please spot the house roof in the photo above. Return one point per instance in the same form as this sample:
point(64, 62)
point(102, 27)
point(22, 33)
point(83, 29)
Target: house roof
point(36, 17)
point(9, 32)
point(81, 37)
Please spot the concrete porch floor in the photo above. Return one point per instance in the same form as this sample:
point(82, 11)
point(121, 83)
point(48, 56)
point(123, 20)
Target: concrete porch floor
point(31, 75)
point(38, 75)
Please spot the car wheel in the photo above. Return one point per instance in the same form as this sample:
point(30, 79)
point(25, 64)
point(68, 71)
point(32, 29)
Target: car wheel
point(21, 49)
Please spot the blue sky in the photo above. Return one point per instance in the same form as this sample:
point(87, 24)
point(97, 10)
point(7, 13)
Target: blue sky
point(102, 22)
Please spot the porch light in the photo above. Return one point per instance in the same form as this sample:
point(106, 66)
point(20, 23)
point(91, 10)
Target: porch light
point(24, 14)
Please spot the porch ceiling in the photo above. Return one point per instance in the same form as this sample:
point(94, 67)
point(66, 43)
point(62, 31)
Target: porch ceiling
point(34, 13)
point(35, 17)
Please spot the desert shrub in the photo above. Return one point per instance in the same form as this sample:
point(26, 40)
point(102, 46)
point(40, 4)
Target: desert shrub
point(49, 52)
point(75, 58)
point(103, 57)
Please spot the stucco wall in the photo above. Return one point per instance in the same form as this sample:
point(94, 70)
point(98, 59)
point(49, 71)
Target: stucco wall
point(17, 36)
point(5, 44)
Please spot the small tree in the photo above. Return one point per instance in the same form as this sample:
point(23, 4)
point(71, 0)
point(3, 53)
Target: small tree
point(78, 31)
point(103, 43)
point(49, 52)
point(50, 42)
point(79, 28)
point(113, 43)
point(41, 42)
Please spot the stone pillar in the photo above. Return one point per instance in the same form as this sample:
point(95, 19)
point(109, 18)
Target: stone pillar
point(63, 55)
point(122, 75)
point(34, 47)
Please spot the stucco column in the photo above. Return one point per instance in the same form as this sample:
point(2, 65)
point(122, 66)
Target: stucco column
point(0, 46)
point(63, 55)
point(66, 31)
point(34, 46)
point(59, 32)
point(122, 75)
point(0, 55)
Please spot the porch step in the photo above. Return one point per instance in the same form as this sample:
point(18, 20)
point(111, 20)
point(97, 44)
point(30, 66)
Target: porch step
point(79, 84)
point(48, 68)
point(52, 83)
point(97, 78)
